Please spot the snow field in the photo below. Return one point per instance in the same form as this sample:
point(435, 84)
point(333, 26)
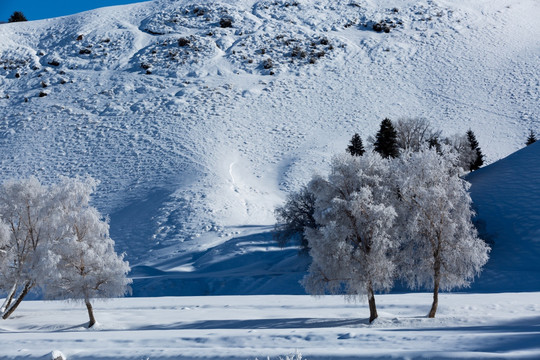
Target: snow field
point(162, 144)
point(482, 326)
point(194, 152)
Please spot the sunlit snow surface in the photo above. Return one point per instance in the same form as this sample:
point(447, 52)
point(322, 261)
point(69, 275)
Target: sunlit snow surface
point(467, 326)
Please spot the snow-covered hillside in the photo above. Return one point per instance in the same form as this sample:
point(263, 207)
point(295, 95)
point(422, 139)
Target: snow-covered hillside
point(196, 130)
point(506, 195)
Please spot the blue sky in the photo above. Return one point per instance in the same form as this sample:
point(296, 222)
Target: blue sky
point(42, 9)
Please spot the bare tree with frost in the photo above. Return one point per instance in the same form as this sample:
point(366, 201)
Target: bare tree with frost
point(6, 259)
point(294, 217)
point(351, 245)
point(88, 266)
point(27, 233)
point(440, 248)
point(414, 133)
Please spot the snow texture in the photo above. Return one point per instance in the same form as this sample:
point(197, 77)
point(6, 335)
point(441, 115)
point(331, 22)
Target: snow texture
point(195, 136)
point(468, 326)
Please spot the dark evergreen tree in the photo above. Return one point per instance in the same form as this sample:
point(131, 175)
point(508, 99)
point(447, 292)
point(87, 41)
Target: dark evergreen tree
point(356, 147)
point(531, 139)
point(434, 143)
point(17, 16)
point(386, 140)
point(478, 159)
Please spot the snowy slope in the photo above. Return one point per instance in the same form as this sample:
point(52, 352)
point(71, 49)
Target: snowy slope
point(195, 142)
point(506, 195)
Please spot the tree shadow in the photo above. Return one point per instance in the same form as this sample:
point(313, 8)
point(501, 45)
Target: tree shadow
point(521, 325)
point(506, 336)
point(260, 324)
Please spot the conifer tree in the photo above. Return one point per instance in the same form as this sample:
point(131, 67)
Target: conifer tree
point(531, 139)
point(356, 147)
point(386, 140)
point(17, 16)
point(478, 160)
point(434, 143)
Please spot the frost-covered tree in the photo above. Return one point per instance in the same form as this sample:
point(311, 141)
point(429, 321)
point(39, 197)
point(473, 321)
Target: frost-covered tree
point(6, 261)
point(88, 266)
point(531, 139)
point(435, 143)
point(51, 239)
point(460, 146)
point(26, 219)
point(294, 217)
point(386, 140)
point(439, 246)
point(351, 246)
point(414, 133)
point(356, 147)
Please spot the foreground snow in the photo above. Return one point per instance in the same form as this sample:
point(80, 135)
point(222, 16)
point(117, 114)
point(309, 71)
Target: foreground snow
point(484, 326)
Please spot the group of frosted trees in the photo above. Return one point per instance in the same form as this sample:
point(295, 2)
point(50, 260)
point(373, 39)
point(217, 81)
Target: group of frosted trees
point(408, 135)
point(378, 217)
point(53, 241)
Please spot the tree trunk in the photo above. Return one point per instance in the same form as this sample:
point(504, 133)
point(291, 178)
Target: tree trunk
point(13, 307)
point(437, 281)
point(90, 313)
point(371, 301)
point(9, 299)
